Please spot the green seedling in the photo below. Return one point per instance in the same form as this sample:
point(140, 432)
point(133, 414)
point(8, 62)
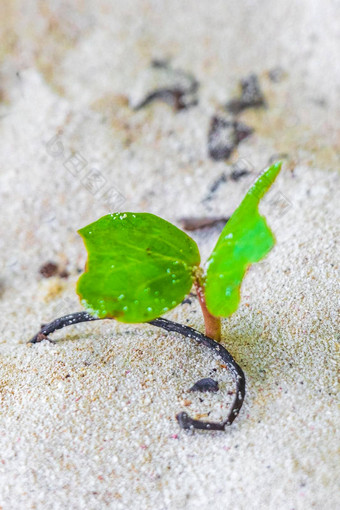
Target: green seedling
point(140, 266)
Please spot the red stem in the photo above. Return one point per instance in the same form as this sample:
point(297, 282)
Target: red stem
point(212, 324)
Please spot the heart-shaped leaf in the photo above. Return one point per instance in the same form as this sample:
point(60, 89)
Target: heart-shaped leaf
point(245, 239)
point(139, 267)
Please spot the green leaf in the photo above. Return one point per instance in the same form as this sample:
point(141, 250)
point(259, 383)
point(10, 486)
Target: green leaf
point(245, 239)
point(139, 267)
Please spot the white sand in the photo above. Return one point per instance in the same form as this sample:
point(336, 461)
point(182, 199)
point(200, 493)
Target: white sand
point(105, 436)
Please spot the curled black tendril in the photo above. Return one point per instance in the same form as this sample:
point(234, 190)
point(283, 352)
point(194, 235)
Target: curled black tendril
point(184, 420)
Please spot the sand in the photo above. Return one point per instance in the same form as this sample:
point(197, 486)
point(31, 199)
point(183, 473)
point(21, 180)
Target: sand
point(89, 422)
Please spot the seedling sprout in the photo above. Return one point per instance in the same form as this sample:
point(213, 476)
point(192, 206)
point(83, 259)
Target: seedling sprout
point(140, 266)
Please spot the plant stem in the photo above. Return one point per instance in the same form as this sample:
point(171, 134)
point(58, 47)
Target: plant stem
point(212, 324)
point(183, 418)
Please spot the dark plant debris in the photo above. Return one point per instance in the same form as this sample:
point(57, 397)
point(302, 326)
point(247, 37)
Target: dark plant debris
point(41, 337)
point(50, 269)
point(224, 136)
point(216, 184)
point(184, 420)
point(238, 173)
point(192, 223)
point(251, 96)
point(206, 384)
point(161, 82)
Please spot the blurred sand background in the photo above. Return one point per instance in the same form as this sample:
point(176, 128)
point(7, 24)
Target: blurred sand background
point(89, 422)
